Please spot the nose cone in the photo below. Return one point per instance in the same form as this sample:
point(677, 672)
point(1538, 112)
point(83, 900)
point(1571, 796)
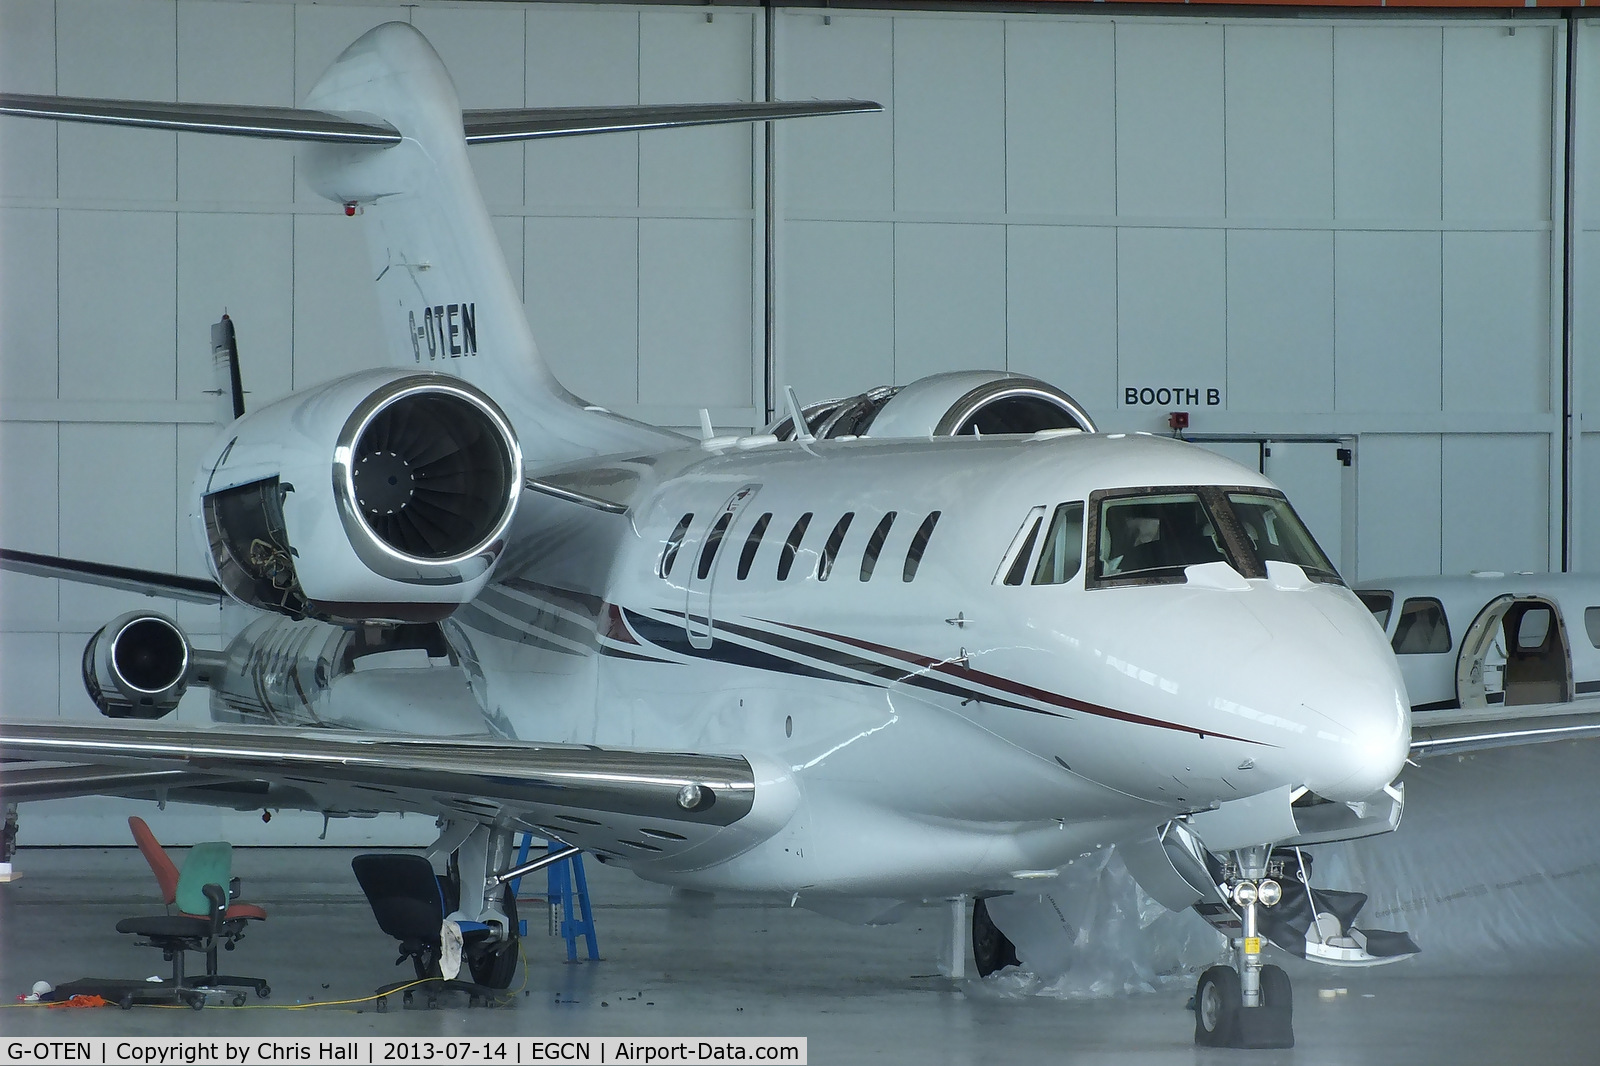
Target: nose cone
point(1327, 654)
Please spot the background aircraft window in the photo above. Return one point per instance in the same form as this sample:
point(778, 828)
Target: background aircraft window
point(869, 559)
point(669, 554)
point(751, 543)
point(1062, 554)
point(713, 539)
point(1277, 534)
point(792, 545)
point(919, 544)
point(1379, 603)
point(1591, 622)
point(1422, 629)
point(1019, 562)
point(1140, 534)
point(830, 548)
point(1533, 628)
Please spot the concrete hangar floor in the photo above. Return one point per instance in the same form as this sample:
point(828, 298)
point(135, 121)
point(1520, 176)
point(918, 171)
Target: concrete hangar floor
point(676, 966)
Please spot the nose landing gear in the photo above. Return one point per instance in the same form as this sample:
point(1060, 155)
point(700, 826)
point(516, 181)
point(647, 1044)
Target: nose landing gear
point(1251, 1005)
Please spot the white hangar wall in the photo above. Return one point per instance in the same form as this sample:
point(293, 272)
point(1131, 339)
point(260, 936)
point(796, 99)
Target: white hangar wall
point(1347, 227)
point(1340, 227)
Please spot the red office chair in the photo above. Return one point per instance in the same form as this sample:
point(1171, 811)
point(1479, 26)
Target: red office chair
point(180, 931)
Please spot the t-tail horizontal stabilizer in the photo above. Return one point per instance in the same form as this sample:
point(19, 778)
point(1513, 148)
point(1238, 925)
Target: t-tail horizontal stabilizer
point(479, 126)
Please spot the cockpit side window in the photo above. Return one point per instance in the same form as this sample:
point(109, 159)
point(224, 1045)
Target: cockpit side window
point(1014, 567)
point(1062, 555)
point(1153, 537)
point(1380, 602)
point(1422, 629)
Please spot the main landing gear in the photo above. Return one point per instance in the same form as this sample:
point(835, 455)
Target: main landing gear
point(1249, 1005)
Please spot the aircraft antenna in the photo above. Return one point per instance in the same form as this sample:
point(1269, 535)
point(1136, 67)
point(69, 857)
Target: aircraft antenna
point(802, 431)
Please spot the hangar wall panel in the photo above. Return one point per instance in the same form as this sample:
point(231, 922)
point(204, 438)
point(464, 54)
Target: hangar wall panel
point(1344, 227)
point(949, 298)
point(840, 311)
point(1399, 518)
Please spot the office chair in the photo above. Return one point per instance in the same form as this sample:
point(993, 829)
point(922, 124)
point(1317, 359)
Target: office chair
point(410, 902)
point(204, 919)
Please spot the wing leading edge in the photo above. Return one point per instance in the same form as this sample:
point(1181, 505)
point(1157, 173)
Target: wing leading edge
point(633, 806)
point(1456, 734)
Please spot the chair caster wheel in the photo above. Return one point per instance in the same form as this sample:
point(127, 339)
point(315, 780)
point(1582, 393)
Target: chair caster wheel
point(263, 991)
point(381, 1005)
point(126, 1002)
point(197, 1002)
point(239, 1000)
point(405, 1000)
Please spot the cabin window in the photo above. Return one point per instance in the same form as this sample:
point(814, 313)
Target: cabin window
point(830, 548)
point(919, 544)
point(1379, 602)
point(1534, 628)
point(708, 553)
point(752, 543)
point(1016, 564)
point(792, 546)
point(1591, 623)
point(669, 554)
point(1062, 555)
point(880, 533)
point(1422, 629)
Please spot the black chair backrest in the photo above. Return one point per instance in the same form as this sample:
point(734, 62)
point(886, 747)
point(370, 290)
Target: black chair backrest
point(405, 893)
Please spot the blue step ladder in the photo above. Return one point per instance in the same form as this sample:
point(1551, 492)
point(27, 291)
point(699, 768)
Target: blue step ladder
point(565, 885)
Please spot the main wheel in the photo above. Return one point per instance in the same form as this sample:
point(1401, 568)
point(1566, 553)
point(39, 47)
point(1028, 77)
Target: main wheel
point(991, 949)
point(1217, 1000)
point(496, 968)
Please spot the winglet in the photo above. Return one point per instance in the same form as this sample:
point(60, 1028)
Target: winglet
point(802, 431)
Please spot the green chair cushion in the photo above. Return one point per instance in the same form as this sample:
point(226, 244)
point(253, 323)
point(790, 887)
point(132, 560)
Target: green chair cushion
point(210, 863)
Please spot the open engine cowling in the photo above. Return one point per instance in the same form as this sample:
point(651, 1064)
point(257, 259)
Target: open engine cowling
point(986, 402)
point(137, 666)
point(382, 496)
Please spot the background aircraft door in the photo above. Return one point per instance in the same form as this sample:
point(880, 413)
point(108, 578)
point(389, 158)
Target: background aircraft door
point(1515, 653)
point(708, 553)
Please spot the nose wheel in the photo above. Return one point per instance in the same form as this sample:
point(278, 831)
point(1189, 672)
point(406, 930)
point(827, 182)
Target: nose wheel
point(1249, 1005)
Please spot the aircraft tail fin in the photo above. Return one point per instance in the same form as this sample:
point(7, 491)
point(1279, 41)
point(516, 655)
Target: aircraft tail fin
point(384, 135)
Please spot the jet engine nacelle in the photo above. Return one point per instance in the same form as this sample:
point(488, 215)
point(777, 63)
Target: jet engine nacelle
point(137, 666)
point(986, 402)
point(382, 496)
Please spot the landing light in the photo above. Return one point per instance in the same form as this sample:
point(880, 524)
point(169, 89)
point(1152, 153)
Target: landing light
point(1270, 892)
point(1244, 893)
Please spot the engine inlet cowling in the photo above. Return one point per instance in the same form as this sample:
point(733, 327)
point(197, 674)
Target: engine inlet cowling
point(430, 475)
point(137, 666)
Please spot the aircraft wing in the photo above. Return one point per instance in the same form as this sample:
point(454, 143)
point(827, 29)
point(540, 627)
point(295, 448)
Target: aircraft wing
point(1454, 733)
point(126, 578)
point(637, 807)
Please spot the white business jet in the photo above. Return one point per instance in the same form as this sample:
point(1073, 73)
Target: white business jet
point(926, 642)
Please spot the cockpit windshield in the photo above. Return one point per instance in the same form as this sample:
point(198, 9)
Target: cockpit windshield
point(1145, 536)
point(1277, 534)
point(1145, 533)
